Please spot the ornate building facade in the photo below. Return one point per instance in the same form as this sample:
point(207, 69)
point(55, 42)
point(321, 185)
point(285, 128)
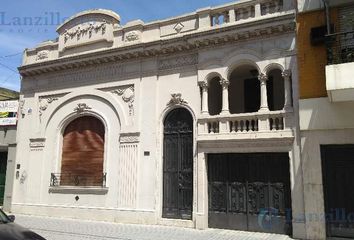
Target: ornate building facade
point(190, 121)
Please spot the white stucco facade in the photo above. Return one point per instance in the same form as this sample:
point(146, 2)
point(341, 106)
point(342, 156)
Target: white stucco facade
point(130, 77)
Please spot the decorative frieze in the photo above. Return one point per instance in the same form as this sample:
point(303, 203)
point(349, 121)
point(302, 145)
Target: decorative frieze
point(129, 137)
point(87, 29)
point(176, 98)
point(177, 62)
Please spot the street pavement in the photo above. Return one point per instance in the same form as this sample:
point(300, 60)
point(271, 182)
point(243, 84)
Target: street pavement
point(72, 229)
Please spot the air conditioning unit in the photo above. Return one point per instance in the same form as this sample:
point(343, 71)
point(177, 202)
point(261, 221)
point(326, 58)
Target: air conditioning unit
point(318, 34)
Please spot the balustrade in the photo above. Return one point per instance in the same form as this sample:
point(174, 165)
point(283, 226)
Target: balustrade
point(213, 127)
point(234, 13)
point(276, 123)
point(245, 123)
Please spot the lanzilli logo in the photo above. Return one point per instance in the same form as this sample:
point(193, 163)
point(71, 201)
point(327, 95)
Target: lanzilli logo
point(48, 19)
point(268, 218)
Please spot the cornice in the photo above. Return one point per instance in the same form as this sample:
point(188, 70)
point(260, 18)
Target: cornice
point(215, 36)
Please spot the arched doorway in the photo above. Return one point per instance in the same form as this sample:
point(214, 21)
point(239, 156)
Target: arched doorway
point(178, 165)
point(83, 153)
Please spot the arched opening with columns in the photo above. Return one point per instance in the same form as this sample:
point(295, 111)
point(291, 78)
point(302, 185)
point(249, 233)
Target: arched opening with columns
point(244, 89)
point(83, 152)
point(275, 90)
point(214, 96)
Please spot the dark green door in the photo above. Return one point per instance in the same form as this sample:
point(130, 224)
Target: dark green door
point(3, 164)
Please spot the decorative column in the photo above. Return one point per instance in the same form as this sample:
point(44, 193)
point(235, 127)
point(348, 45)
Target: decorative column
point(225, 95)
point(204, 86)
point(287, 90)
point(264, 98)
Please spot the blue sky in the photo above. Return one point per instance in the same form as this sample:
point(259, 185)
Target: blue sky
point(15, 38)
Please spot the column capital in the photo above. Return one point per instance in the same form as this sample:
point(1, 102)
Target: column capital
point(262, 78)
point(224, 82)
point(286, 73)
point(203, 85)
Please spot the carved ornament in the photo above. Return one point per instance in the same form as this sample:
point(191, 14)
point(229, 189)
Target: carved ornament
point(129, 137)
point(176, 98)
point(132, 36)
point(127, 94)
point(41, 55)
point(89, 29)
point(81, 107)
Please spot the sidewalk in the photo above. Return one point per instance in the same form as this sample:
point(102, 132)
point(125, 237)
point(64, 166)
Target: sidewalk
point(70, 229)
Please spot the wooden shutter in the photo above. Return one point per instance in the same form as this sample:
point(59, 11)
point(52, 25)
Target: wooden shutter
point(83, 150)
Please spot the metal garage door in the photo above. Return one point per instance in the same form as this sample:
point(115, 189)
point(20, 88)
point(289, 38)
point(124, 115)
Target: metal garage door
point(250, 192)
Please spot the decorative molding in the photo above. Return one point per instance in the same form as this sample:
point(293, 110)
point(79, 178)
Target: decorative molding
point(224, 83)
point(286, 73)
point(45, 101)
point(203, 85)
point(129, 137)
point(132, 36)
point(194, 41)
point(127, 93)
point(81, 107)
point(78, 190)
point(177, 62)
point(41, 55)
point(37, 144)
point(262, 77)
point(176, 98)
point(86, 29)
point(178, 27)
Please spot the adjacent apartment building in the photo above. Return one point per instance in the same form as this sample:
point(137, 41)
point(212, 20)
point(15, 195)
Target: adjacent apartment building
point(325, 43)
point(8, 121)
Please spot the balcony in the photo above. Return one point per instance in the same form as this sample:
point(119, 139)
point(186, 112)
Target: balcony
point(78, 183)
point(340, 56)
point(246, 126)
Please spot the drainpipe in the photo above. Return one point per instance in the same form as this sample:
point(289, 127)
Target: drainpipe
point(328, 23)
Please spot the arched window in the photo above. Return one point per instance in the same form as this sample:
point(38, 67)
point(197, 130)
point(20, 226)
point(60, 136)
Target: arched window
point(244, 90)
point(215, 96)
point(83, 153)
point(275, 90)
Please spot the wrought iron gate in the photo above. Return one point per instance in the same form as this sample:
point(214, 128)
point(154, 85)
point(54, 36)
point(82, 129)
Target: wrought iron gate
point(338, 184)
point(178, 165)
point(250, 192)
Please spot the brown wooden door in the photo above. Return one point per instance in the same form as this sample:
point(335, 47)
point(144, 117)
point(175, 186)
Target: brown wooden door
point(83, 150)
